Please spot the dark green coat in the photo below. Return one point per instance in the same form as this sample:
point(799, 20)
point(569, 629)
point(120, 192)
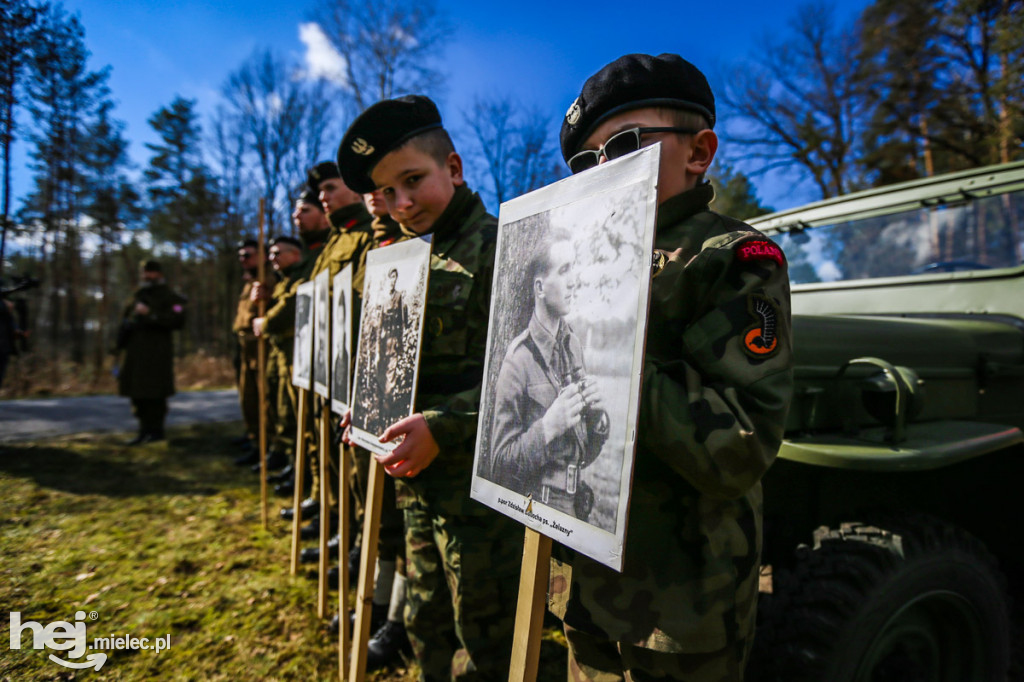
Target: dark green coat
point(147, 369)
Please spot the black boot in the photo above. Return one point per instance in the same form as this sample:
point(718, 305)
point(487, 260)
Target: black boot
point(311, 555)
point(308, 508)
point(387, 646)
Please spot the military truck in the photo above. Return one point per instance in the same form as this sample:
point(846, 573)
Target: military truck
point(894, 514)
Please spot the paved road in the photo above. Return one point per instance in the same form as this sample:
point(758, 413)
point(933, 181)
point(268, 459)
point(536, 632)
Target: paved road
point(46, 417)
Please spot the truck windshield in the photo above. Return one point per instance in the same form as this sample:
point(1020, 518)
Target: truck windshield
point(976, 234)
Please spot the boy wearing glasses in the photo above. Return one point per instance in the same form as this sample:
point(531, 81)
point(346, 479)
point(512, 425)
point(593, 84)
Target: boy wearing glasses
point(716, 388)
point(462, 560)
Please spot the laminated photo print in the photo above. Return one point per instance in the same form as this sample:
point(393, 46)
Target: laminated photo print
point(302, 354)
point(390, 336)
point(341, 340)
point(560, 398)
point(322, 338)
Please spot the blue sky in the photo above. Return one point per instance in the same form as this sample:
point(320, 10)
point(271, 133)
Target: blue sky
point(541, 51)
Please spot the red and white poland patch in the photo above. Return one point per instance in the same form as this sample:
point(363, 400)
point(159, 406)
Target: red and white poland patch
point(759, 249)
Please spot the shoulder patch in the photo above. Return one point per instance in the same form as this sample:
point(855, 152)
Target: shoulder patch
point(759, 249)
point(761, 340)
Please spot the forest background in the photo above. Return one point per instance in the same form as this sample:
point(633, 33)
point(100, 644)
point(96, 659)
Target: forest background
point(904, 89)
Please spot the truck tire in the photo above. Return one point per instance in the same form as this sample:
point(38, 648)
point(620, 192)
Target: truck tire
point(910, 600)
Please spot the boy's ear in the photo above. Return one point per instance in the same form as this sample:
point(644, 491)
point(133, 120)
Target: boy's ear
point(702, 152)
point(454, 165)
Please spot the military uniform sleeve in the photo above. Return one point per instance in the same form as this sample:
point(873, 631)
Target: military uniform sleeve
point(517, 443)
point(165, 311)
point(280, 319)
point(716, 414)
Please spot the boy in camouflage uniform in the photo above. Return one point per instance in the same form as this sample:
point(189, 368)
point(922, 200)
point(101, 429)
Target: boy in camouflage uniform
point(462, 559)
point(717, 381)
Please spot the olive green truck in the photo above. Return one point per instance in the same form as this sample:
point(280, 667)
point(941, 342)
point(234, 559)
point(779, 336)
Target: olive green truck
point(894, 514)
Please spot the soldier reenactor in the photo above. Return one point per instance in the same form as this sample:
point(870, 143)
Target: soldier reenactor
point(146, 374)
point(248, 376)
point(713, 402)
point(462, 580)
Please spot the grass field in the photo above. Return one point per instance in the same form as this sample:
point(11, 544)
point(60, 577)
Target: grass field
point(161, 540)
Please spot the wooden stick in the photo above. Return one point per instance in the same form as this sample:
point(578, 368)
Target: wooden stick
point(300, 475)
point(261, 369)
point(345, 664)
point(323, 452)
point(533, 589)
point(367, 564)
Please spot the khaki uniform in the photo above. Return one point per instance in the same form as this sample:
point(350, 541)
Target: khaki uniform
point(717, 382)
point(462, 558)
point(248, 379)
point(349, 241)
point(280, 331)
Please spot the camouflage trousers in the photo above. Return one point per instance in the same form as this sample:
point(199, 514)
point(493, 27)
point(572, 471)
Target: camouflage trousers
point(592, 659)
point(463, 580)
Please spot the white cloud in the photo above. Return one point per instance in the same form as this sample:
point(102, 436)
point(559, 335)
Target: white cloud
point(322, 60)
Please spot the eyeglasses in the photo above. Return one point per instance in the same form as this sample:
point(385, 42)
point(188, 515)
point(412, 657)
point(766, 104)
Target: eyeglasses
point(619, 144)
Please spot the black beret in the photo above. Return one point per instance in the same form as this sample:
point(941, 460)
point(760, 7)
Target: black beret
point(633, 82)
point(151, 266)
point(312, 197)
point(285, 239)
point(247, 243)
point(382, 128)
point(325, 170)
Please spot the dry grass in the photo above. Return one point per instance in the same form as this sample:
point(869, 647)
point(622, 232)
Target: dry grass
point(163, 539)
point(35, 376)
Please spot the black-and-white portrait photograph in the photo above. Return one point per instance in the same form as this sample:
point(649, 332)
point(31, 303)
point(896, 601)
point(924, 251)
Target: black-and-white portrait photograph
point(302, 355)
point(322, 338)
point(390, 329)
point(565, 345)
point(341, 340)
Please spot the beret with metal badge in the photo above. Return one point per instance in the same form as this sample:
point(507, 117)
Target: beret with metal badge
point(635, 81)
point(285, 239)
point(312, 197)
point(381, 129)
point(325, 170)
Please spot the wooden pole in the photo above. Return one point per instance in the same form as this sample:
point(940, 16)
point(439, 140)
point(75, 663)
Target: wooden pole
point(533, 589)
point(300, 475)
point(261, 368)
point(344, 526)
point(323, 453)
point(367, 564)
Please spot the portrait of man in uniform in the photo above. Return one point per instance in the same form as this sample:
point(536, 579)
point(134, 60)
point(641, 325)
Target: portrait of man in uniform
point(549, 419)
point(340, 340)
point(565, 342)
point(390, 330)
point(302, 354)
point(322, 342)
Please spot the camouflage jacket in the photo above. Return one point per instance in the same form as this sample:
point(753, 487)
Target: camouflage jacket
point(386, 232)
point(717, 382)
point(452, 357)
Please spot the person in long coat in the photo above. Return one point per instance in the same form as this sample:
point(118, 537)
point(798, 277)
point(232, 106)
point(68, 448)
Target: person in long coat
point(147, 370)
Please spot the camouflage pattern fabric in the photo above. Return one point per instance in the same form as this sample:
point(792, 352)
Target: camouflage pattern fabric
point(452, 357)
point(596, 660)
point(462, 559)
point(460, 593)
point(717, 384)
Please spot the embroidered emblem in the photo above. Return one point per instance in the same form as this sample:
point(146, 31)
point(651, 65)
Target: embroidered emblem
point(761, 340)
point(759, 249)
point(362, 147)
point(658, 260)
point(572, 117)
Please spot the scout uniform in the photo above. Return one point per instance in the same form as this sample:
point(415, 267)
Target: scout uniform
point(462, 567)
point(248, 386)
point(717, 381)
point(147, 371)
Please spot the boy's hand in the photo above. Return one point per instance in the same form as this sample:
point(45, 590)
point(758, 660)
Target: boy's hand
point(346, 428)
point(257, 325)
point(416, 451)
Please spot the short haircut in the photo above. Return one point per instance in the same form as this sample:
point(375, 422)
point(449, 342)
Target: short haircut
point(540, 262)
point(684, 118)
point(436, 143)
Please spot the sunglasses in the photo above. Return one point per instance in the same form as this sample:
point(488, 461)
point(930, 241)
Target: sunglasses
point(619, 144)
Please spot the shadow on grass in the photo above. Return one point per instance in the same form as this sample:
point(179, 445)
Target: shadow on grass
point(189, 464)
